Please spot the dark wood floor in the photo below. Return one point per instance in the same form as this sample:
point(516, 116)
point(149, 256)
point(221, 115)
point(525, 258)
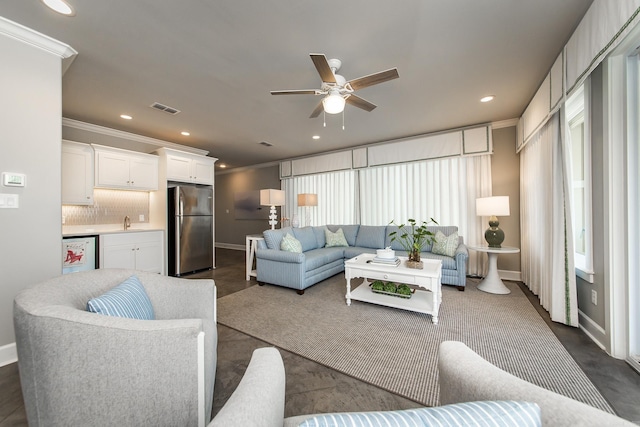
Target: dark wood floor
point(313, 388)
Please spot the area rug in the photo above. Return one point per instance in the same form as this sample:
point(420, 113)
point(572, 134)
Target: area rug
point(396, 349)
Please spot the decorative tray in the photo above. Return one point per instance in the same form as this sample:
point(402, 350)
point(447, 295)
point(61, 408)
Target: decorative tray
point(387, 289)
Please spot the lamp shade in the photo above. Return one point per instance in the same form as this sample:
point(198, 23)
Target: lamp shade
point(333, 103)
point(270, 197)
point(307, 199)
point(493, 206)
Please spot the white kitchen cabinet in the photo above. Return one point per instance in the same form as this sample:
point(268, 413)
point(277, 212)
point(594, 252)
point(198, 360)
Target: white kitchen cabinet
point(127, 170)
point(186, 167)
point(77, 173)
point(142, 250)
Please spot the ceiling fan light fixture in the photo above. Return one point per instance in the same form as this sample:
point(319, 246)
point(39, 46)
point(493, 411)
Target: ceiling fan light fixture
point(333, 103)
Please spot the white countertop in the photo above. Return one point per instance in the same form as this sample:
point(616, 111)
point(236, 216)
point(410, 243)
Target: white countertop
point(89, 230)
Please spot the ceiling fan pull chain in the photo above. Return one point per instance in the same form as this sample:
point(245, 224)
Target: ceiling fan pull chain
point(342, 119)
point(324, 118)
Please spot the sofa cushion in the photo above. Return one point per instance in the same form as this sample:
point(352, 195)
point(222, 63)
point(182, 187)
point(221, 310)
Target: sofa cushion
point(350, 232)
point(322, 256)
point(395, 245)
point(128, 299)
point(488, 413)
point(445, 245)
point(335, 239)
point(273, 237)
point(290, 244)
point(370, 236)
point(448, 263)
point(321, 239)
point(307, 238)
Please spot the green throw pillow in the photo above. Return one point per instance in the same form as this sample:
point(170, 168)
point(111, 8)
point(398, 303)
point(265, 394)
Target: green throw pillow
point(445, 245)
point(290, 244)
point(335, 239)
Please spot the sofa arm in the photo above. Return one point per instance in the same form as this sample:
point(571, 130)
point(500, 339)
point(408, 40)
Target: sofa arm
point(258, 401)
point(464, 376)
point(280, 256)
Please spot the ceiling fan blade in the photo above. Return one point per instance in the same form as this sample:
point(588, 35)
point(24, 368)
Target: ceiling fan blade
point(295, 92)
point(356, 101)
point(322, 65)
point(374, 79)
point(317, 111)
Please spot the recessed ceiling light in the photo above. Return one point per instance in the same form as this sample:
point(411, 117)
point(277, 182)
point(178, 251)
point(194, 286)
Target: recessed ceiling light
point(60, 6)
point(222, 165)
point(125, 116)
point(316, 137)
point(185, 133)
point(487, 98)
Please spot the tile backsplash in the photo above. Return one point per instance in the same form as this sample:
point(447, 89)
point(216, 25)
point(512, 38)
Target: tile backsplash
point(109, 207)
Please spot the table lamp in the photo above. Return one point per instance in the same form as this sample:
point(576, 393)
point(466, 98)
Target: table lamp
point(307, 200)
point(493, 207)
point(273, 198)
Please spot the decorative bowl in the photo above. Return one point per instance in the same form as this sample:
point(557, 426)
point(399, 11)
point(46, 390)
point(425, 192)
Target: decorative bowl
point(386, 253)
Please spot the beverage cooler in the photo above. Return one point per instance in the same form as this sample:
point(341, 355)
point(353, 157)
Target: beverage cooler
point(79, 254)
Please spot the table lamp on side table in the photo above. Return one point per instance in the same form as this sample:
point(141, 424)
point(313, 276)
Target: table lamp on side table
point(307, 200)
point(493, 207)
point(273, 198)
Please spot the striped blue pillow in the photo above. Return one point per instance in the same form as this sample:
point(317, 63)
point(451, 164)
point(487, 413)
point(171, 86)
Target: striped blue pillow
point(128, 299)
point(479, 414)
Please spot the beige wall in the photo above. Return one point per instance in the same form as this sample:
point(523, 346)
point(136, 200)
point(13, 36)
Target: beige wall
point(30, 143)
point(505, 175)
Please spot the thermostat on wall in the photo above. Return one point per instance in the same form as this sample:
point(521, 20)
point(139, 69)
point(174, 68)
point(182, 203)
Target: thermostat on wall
point(10, 179)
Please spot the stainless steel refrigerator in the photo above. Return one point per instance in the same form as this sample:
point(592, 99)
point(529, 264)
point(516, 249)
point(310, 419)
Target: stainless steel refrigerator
point(190, 229)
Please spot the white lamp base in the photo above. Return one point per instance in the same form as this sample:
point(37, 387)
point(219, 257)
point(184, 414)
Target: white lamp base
point(273, 217)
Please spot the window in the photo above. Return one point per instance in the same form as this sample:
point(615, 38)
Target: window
point(578, 127)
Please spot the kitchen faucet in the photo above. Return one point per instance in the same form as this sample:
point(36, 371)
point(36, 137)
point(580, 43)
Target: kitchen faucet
point(127, 222)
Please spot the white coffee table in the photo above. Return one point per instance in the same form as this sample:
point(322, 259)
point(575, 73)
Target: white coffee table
point(422, 301)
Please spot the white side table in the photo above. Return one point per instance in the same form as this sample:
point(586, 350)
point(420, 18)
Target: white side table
point(251, 246)
point(492, 282)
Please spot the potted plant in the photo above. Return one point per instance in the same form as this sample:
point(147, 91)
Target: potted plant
point(413, 237)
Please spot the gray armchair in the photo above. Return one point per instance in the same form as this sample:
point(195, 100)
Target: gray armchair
point(79, 368)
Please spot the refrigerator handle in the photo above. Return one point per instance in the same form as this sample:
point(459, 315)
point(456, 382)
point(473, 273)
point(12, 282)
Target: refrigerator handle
point(178, 244)
point(180, 203)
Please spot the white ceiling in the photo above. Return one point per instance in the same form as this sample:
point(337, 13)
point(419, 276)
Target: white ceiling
point(216, 61)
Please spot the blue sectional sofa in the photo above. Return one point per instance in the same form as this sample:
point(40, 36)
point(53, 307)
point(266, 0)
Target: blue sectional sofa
point(317, 262)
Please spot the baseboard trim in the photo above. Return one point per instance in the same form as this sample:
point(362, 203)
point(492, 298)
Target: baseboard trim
point(230, 246)
point(584, 319)
point(514, 276)
point(8, 354)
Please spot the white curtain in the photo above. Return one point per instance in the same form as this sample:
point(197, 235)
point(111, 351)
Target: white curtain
point(337, 197)
point(546, 231)
point(445, 190)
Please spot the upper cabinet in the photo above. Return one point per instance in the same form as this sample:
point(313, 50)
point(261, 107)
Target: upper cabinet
point(126, 170)
point(77, 173)
point(186, 167)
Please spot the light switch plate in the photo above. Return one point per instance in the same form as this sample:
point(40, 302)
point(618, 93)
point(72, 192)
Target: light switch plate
point(9, 201)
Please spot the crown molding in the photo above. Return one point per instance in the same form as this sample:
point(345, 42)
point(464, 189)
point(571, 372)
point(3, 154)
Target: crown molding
point(504, 124)
point(76, 124)
point(36, 39)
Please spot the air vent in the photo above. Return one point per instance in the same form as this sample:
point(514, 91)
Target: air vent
point(265, 143)
point(165, 108)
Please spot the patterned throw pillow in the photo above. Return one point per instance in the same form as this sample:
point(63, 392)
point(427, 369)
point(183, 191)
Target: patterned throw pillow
point(128, 299)
point(335, 239)
point(445, 245)
point(290, 244)
point(485, 414)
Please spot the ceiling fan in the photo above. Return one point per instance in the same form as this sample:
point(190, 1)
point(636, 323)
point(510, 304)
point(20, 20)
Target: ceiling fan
point(336, 89)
